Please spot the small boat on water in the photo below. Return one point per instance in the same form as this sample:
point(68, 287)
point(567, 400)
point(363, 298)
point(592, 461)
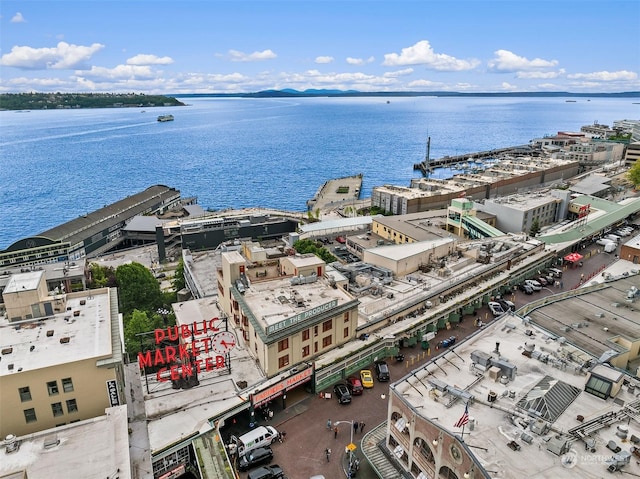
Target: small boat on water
point(165, 118)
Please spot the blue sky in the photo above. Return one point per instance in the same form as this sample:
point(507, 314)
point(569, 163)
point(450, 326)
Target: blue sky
point(211, 46)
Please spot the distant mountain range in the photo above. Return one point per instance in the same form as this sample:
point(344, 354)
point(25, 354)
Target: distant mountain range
point(289, 93)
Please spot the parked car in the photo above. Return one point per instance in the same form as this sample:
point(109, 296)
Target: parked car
point(355, 386)
point(533, 284)
point(555, 272)
point(267, 472)
point(542, 280)
point(341, 239)
point(604, 241)
point(507, 305)
point(342, 393)
point(256, 457)
point(367, 378)
point(382, 371)
point(495, 308)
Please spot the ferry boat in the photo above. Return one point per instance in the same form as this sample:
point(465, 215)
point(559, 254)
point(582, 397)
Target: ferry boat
point(165, 118)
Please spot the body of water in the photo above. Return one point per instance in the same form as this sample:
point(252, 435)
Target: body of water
point(235, 153)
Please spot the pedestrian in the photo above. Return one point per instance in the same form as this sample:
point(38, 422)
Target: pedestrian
point(327, 451)
point(329, 424)
point(355, 426)
point(335, 432)
point(561, 284)
point(361, 427)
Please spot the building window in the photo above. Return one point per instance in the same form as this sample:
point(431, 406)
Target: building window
point(67, 385)
point(283, 362)
point(305, 335)
point(326, 341)
point(327, 326)
point(72, 406)
point(346, 317)
point(56, 408)
point(284, 344)
point(346, 332)
point(25, 394)
point(30, 415)
point(305, 351)
point(315, 347)
point(52, 387)
point(315, 330)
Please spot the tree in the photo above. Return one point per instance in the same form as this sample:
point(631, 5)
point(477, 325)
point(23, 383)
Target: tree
point(634, 174)
point(535, 228)
point(137, 289)
point(309, 246)
point(101, 276)
point(139, 322)
point(178, 277)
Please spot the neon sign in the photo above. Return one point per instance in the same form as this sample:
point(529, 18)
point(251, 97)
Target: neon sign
point(193, 355)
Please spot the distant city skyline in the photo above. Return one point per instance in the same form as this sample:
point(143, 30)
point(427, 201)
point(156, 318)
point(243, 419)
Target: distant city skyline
point(170, 47)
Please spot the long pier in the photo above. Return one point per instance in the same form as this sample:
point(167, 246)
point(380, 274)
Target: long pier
point(428, 165)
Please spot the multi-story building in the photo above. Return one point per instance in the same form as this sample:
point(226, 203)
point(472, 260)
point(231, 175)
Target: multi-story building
point(512, 402)
point(289, 313)
point(89, 234)
point(61, 355)
point(517, 213)
point(632, 153)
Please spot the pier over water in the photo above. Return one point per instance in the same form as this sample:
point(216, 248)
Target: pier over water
point(428, 165)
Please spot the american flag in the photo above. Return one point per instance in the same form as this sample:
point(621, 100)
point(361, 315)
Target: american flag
point(464, 419)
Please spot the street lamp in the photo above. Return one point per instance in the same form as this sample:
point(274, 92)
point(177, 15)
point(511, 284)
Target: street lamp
point(350, 442)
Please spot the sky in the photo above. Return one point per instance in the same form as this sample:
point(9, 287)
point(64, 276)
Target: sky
point(237, 46)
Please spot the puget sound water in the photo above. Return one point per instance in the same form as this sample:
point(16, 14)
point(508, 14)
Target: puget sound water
point(235, 153)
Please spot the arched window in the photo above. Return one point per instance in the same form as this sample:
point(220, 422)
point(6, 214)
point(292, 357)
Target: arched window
point(424, 449)
point(446, 473)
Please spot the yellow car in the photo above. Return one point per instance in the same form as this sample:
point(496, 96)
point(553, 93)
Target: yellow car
point(366, 378)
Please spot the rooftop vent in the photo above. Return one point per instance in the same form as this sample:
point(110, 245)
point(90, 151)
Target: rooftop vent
point(7, 351)
point(49, 333)
point(11, 444)
point(65, 340)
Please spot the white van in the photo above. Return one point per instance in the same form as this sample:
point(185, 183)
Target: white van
point(258, 437)
point(604, 241)
point(610, 247)
point(612, 237)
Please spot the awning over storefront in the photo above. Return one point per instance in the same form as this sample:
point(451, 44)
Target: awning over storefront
point(573, 257)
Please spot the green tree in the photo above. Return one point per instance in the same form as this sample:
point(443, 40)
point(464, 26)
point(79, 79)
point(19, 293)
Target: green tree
point(634, 174)
point(137, 289)
point(535, 228)
point(101, 276)
point(309, 246)
point(140, 322)
point(178, 278)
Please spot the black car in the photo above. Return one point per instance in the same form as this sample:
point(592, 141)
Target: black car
point(255, 457)
point(342, 393)
point(382, 371)
point(267, 472)
point(525, 288)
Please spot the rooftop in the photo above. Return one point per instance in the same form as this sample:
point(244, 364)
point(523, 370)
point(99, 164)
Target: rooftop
point(62, 338)
point(95, 448)
point(529, 394)
point(23, 282)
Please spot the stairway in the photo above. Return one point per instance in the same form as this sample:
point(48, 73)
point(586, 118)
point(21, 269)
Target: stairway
point(372, 447)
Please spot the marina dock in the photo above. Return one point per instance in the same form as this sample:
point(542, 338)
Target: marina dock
point(428, 165)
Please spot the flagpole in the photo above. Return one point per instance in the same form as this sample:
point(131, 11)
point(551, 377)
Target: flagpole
point(462, 438)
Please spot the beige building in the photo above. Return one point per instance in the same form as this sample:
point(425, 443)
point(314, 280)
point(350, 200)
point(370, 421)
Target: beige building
point(60, 368)
point(288, 312)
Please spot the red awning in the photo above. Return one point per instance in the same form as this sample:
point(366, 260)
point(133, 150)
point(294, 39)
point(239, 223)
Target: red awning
point(573, 257)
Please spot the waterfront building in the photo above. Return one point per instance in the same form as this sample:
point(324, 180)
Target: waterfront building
point(61, 355)
point(90, 234)
point(632, 153)
point(629, 126)
point(287, 311)
point(465, 220)
point(507, 176)
point(513, 401)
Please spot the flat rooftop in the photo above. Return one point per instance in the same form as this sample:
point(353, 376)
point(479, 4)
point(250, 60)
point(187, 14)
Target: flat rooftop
point(89, 335)
point(596, 321)
point(276, 300)
point(23, 282)
point(95, 448)
point(547, 386)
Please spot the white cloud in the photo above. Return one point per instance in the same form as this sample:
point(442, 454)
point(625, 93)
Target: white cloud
point(544, 75)
point(399, 73)
point(62, 56)
point(605, 76)
point(506, 61)
point(508, 86)
point(149, 60)
point(18, 18)
point(237, 56)
point(324, 60)
point(119, 72)
point(422, 54)
point(359, 61)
